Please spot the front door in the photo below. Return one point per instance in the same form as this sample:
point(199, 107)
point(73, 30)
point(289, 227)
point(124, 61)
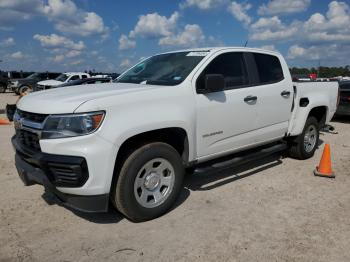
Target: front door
point(226, 119)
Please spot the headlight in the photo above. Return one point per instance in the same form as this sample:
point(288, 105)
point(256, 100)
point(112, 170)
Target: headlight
point(15, 83)
point(59, 126)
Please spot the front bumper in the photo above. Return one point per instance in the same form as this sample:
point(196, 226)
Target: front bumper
point(51, 171)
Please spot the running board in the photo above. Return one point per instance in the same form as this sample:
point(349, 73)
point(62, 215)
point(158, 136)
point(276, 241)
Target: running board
point(240, 158)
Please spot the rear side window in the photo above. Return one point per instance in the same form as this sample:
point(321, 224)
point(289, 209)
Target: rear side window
point(231, 66)
point(269, 68)
point(84, 76)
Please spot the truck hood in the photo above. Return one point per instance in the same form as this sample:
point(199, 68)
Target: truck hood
point(68, 99)
point(50, 82)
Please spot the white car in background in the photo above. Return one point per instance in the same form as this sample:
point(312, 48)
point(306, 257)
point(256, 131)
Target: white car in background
point(61, 79)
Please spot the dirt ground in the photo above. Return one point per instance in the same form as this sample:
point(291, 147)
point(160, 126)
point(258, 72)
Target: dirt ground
point(274, 210)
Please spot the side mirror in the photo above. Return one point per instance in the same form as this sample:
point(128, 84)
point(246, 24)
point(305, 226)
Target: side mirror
point(214, 83)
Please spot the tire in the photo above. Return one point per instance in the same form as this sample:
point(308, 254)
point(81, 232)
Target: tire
point(298, 148)
point(2, 88)
point(141, 180)
point(23, 89)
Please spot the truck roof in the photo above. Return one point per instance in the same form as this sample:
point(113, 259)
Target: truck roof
point(216, 49)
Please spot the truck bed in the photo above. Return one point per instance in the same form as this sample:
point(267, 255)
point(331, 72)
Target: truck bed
point(308, 95)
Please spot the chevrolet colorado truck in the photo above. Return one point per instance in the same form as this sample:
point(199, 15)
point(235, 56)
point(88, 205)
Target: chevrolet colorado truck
point(129, 142)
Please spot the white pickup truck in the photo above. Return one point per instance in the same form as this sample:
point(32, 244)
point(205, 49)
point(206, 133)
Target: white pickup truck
point(130, 142)
point(61, 79)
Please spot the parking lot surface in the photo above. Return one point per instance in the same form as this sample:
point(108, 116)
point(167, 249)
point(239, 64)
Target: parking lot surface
point(271, 210)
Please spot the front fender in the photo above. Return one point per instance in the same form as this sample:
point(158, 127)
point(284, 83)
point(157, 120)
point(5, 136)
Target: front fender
point(130, 115)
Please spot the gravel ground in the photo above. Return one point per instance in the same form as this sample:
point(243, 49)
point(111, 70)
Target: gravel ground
point(274, 210)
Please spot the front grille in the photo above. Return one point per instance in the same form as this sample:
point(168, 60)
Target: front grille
point(28, 139)
point(38, 118)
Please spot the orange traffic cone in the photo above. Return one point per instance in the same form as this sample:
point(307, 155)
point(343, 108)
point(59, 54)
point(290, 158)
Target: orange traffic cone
point(325, 167)
point(4, 121)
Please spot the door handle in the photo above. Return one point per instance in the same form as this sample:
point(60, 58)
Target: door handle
point(285, 93)
point(250, 99)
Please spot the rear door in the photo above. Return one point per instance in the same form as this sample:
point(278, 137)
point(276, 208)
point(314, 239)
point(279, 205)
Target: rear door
point(274, 92)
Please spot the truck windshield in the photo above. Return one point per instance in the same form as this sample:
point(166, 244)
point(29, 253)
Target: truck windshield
point(62, 77)
point(166, 69)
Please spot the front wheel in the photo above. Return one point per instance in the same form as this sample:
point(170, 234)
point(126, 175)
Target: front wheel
point(304, 145)
point(149, 182)
point(23, 90)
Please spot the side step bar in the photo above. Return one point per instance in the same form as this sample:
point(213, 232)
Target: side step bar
point(240, 158)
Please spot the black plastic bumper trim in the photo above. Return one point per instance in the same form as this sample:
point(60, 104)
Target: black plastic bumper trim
point(33, 175)
point(61, 170)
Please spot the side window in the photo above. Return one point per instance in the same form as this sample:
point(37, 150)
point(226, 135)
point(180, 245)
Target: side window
point(231, 66)
point(269, 68)
point(83, 76)
point(75, 77)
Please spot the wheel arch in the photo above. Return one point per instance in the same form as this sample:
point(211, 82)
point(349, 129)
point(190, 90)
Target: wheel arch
point(176, 137)
point(320, 113)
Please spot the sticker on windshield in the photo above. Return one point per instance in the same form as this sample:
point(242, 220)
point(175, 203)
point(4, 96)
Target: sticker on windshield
point(199, 53)
point(177, 78)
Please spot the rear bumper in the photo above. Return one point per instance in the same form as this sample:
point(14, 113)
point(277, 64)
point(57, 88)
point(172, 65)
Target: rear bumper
point(39, 168)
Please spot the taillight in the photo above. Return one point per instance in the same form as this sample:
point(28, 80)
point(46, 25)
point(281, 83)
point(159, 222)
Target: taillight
point(338, 99)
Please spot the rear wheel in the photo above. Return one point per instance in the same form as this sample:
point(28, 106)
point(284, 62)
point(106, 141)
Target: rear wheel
point(149, 182)
point(304, 145)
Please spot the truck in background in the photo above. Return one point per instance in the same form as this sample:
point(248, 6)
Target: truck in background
point(61, 79)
